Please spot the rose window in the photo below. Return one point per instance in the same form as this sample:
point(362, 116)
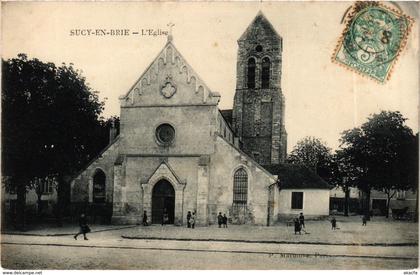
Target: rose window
point(165, 134)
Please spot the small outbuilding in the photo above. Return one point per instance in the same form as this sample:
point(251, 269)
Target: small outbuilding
point(300, 190)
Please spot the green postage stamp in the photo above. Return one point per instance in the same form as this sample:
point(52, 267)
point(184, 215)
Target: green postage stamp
point(372, 40)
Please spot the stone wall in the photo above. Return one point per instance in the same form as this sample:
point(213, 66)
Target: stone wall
point(194, 127)
point(224, 163)
point(81, 186)
point(142, 173)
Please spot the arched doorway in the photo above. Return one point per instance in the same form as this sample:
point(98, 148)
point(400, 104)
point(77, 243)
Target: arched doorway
point(100, 209)
point(163, 198)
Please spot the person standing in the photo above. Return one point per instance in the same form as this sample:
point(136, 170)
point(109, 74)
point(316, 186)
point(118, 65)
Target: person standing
point(297, 226)
point(192, 220)
point(220, 219)
point(333, 223)
point(145, 219)
point(189, 219)
point(84, 228)
point(225, 219)
point(364, 220)
point(302, 220)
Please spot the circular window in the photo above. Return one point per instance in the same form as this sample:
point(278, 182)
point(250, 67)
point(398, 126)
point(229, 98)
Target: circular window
point(259, 48)
point(165, 134)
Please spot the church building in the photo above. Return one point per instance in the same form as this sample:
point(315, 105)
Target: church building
point(178, 152)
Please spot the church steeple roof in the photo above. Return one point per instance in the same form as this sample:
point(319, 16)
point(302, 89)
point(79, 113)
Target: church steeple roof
point(259, 27)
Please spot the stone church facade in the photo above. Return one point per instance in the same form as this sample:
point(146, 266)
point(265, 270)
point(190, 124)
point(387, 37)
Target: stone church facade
point(177, 152)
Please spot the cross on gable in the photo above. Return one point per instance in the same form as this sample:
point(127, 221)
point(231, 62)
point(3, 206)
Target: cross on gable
point(170, 25)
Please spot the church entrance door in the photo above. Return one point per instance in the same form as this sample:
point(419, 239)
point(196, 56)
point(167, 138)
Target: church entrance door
point(163, 201)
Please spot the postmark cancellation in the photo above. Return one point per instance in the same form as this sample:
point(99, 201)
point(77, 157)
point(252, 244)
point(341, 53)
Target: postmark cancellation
point(374, 36)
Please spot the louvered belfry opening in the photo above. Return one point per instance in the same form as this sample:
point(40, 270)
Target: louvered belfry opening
point(265, 73)
point(251, 73)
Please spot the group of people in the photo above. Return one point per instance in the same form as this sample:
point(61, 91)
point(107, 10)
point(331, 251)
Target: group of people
point(191, 219)
point(299, 224)
point(334, 222)
point(165, 218)
point(222, 220)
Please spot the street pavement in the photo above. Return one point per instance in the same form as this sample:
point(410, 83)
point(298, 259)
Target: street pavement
point(59, 257)
point(240, 247)
point(378, 231)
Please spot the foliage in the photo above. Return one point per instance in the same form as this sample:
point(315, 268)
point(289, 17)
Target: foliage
point(381, 154)
point(51, 124)
point(314, 154)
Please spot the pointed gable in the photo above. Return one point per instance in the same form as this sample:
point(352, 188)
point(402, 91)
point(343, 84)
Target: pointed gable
point(259, 28)
point(164, 171)
point(169, 80)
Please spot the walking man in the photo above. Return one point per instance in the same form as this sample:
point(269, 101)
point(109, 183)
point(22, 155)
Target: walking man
point(220, 219)
point(145, 219)
point(84, 228)
point(364, 220)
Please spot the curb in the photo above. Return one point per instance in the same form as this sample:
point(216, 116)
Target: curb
point(267, 242)
point(64, 234)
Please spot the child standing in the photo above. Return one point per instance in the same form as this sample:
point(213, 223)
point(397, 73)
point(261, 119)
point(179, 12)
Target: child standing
point(297, 226)
point(333, 223)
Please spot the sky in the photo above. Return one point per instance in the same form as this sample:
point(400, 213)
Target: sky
point(322, 98)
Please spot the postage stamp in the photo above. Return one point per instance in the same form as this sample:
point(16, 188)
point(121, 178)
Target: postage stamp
point(372, 40)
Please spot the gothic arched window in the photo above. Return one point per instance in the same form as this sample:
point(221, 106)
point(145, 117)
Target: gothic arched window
point(99, 186)
point(265, 73)
point(240, 187)
point(251, 73)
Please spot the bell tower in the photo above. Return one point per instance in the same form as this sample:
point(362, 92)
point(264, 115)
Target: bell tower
point(258, 108)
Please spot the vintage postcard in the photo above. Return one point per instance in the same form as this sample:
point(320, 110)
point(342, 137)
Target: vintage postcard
point(209, 136)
